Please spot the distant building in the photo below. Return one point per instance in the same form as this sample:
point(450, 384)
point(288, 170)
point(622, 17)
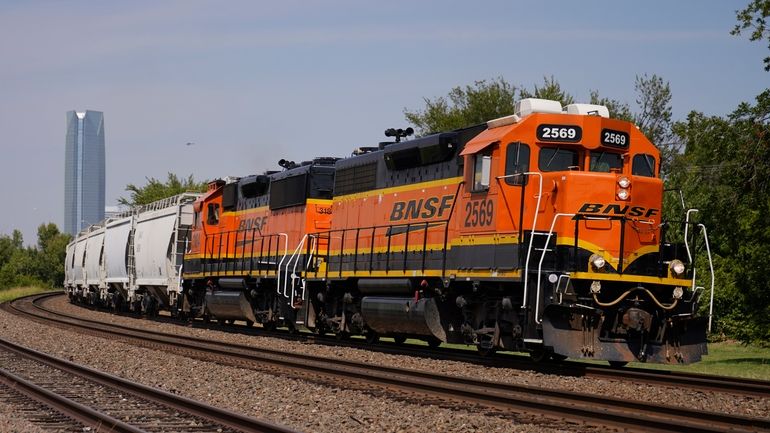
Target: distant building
point(84, 172)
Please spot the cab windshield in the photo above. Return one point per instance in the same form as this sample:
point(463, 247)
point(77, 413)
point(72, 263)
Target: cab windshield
point(558, 159)
point(604, 162)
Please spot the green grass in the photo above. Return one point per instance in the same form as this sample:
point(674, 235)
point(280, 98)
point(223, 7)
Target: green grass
point(725, 359)
point(18, 292)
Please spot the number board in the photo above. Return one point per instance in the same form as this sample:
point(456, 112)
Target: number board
point(560, 133)
point(613, 138)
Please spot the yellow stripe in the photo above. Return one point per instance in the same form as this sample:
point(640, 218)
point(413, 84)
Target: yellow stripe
point(565, 241)
point(394, 189)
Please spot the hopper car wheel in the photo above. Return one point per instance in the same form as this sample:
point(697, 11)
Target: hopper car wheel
point(558, 358)
point(617, 364)
point(206, 319)
point(486, 350)
point(269, 326)
point(539, 355)
point(249, 323)
point(433, 343)
point(372, 337)
point(399, 339)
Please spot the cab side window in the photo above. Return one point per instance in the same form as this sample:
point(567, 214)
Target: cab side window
point(643, 165)
point(212, 214)
point(516, 162)
point(482, 171)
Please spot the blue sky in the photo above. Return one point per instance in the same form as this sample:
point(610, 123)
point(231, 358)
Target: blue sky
point(252, 82)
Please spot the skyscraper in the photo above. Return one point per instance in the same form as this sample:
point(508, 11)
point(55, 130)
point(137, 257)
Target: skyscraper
point(83, 170)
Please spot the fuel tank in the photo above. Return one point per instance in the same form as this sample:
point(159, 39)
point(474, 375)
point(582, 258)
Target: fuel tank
point(403, 316)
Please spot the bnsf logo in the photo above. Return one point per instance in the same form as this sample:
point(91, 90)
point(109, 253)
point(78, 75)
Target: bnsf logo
point(616, 209)
point(423, 208)
point(257, 223)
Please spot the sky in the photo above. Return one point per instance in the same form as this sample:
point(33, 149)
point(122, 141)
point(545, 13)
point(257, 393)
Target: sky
point(252, 82)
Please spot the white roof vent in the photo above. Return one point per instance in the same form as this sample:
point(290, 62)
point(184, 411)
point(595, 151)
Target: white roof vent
point(527, 106)
point(588, 109)
point(503, 121)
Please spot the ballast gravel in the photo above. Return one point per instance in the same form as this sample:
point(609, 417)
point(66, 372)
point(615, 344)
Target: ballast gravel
point(317, 407)
point(703, 400)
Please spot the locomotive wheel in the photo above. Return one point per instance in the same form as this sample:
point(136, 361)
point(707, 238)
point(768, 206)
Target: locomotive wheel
point(399, 339)
point(539, 355)
point(617, 364)
point(372, 337)
point(486, 350)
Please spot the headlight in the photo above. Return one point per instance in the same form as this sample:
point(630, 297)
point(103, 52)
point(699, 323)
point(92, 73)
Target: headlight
point(597, 261)
point(623, 194)
point(678, 292)
point(677, 267)
point(624, 182)
point(596, 287)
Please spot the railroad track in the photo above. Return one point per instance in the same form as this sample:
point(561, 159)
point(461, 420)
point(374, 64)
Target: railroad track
point(558, 405)
point(694, 381)
point(58, 394)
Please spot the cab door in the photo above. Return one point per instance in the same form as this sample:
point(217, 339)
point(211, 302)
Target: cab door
point(477, 208)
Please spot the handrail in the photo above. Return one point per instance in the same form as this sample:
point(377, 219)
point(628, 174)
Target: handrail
point(686, 227)
point(711, 268)
point(278, 271)
point(542, 257)
point(532, 234)
point(294, 256)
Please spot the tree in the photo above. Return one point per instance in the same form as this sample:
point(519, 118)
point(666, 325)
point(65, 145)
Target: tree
point(550, 90)
point(462, 107)
point(157, 190)
point(42, 265)
point(654, 117)
point(725, 172)
point(754, 17)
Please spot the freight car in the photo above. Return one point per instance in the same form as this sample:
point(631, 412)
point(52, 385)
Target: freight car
point(541, 231)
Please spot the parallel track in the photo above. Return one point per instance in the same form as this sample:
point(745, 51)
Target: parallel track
point(565, 406)
point(81, 396)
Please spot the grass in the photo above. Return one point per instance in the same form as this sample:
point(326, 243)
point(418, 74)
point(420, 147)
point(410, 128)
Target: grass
point(725, 359)
point(18, 292)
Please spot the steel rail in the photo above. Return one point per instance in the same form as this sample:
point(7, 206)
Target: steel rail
point(221, 416)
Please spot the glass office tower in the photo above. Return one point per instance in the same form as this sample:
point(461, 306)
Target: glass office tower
point(83, 170)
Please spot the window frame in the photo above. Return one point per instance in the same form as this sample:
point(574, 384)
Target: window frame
point(646, 157)
point(517, 180)
point(480, 157)
point(577, 158)
point(212, 214)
